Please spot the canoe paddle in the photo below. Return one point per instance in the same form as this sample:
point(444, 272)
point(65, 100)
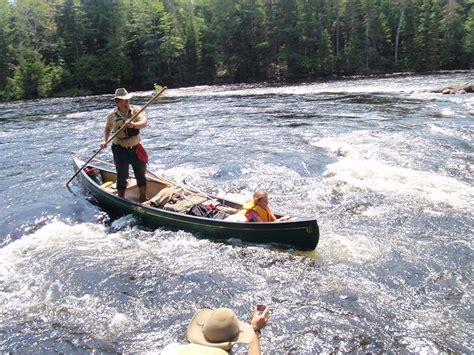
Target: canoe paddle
point(153, 98)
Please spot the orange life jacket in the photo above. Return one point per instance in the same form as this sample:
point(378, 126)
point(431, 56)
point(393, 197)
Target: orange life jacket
point(263, 213)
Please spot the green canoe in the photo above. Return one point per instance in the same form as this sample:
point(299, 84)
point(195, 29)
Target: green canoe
point(300, 234)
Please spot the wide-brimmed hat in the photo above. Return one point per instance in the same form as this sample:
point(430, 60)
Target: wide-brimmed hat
point(218, 328)
point(122, 93)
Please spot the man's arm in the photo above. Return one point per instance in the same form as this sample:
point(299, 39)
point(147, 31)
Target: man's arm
point(139, 122)
point(254, 348)
point(259, 321)
point(106, 138)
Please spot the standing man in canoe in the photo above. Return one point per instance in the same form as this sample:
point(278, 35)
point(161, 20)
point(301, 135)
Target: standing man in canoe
point(126, 146)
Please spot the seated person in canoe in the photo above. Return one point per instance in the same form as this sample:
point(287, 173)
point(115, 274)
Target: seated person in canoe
point(258, 210)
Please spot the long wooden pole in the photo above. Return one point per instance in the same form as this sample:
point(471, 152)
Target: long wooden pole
point(154, 97)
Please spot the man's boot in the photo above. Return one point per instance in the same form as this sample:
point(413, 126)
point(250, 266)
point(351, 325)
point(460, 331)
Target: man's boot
point(142, 191)
point(121, 193)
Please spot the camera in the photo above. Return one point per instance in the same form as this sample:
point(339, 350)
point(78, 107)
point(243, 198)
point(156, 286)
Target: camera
point(261, 308)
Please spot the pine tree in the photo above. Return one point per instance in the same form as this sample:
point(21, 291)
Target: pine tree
point(408, 41)
point(105, 63)
point(4, 43)
point(68, 31)
point(427, 36)
point(355, 50)
point(146, 34)
point(453, 35)
point(208, 42)
point(468, 43)
point(315, 46)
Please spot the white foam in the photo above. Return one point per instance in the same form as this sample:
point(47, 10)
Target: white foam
point(459, 134)
point(362, 145)
point(236, 197)
point(29, 267)
point(360, 249)
point(373, 175)
point(444, 131)
point(119, 324)
point(184, 172)
point(55, 235)
point(358, 85)
point(447, 112)
point(371, 163)
point(62, 272)
point(123, 222)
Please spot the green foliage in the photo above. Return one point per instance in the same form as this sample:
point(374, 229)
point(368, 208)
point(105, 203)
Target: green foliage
point(4, 13)
point(68, 25)
point(452, 36)
point(33, 78)
point(468, 43)
point(56, 47)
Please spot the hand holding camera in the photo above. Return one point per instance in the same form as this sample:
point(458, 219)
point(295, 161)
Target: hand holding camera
point(260, 308)
point(260, 318)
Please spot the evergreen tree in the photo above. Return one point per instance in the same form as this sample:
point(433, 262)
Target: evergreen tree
point(4, 43)
point(171, 49)
point(436, 21)
point(378, 36)
point(35, 27)
point(468, 43)
point(208, 42)
point(225, 25)
point(146, 33)
point(336, 34)
point(386, 40)
point(274, 70)
point(408, 43)
point(191, 55)
point(33, 78)
point(186, 32)
point(453, 35)
point(68, 32)
point(427, 36)
point(355, 32)
point(286, 37)
point(249, 51)
point(105, 63)
point(397, 12)
point(313, 29)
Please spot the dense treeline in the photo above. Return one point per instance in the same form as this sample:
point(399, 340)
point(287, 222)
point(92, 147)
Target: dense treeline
point(68, 47)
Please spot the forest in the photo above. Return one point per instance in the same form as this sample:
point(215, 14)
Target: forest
point(54, 48)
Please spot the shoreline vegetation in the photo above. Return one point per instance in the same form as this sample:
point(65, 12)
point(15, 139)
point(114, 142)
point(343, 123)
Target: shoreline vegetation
point(61, 48)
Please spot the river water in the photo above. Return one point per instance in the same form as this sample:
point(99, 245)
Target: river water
point(385, 166)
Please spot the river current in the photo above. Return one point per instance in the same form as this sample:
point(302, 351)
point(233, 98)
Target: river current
point(385, 166)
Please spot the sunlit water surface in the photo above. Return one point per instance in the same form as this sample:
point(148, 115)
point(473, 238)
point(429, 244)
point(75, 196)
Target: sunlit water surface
point(385, 166)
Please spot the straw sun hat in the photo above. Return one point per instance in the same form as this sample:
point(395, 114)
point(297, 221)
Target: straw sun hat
point(218, 328)
point(122, 94)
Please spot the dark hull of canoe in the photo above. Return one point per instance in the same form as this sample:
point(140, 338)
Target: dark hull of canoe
point(299, 234)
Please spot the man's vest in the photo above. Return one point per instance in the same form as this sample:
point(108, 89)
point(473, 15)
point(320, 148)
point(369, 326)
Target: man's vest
point(119, 122)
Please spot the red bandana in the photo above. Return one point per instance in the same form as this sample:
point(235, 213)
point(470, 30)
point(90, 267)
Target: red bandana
point(141, 154)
